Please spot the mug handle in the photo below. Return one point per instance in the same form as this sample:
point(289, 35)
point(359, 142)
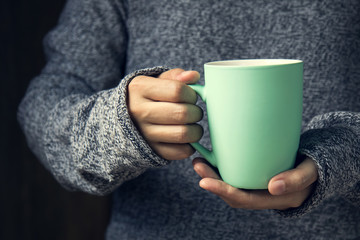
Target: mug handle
point(209, 155)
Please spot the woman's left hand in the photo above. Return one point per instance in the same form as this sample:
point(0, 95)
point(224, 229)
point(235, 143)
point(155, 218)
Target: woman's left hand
point(288, 189)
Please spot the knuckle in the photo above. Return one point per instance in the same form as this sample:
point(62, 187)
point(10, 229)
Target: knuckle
point(136, 83)
point(230, 191)
point(142, 114)
point(182, 134)
point(177, 71)
point(171, 74)
point(177, 89)
point(298, 179)
point(181, 114)
point(248, 202)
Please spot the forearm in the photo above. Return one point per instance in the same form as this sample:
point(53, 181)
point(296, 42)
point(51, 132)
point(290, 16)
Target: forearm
point(333, 142)
point(87, 141)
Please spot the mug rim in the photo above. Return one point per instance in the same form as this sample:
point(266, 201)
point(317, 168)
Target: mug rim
point(252, 63)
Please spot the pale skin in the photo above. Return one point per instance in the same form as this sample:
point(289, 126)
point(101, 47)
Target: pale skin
point(164, 110)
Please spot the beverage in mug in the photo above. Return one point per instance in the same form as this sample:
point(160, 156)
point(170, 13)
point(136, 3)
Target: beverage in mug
point(254, 112)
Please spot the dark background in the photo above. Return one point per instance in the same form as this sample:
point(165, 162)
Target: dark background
point(32, 204)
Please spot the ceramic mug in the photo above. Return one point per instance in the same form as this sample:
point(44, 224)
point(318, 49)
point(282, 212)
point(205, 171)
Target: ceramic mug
point(254, 112)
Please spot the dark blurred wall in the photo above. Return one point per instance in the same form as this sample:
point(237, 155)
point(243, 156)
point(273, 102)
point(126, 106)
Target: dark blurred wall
point(32, 204)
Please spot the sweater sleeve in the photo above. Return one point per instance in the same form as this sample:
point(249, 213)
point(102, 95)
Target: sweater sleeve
point(332, 140)
point(74, 114)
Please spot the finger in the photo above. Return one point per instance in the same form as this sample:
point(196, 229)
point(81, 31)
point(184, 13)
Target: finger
point(173, 133)
point(202, 168)
point(171, 74)
point(173, 151)
point(187, 77)
point(253, 199)
point(294, 180)
point(236, 198)
point(165, 90)
point(169, 113)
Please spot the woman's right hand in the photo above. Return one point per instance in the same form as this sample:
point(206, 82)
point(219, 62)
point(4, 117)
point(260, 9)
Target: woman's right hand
point(164, 111)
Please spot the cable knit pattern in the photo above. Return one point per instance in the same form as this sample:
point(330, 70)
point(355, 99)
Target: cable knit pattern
point(76, 120)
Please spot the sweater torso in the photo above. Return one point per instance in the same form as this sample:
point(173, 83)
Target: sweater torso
point(167, 203)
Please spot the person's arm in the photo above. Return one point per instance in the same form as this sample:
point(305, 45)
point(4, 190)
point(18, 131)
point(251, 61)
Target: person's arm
point(332, 140)
point(75, 123)
point(331, 149)
point(75, 113)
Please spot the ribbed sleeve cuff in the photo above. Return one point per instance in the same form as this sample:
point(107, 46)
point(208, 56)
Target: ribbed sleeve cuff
point(128, 126)
point(332, 150)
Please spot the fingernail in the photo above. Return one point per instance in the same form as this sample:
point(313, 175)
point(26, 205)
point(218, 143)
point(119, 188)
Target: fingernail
point(278, 187)
point(202, 183)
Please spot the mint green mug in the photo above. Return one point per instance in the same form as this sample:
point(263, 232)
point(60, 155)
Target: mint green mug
point(254, 112)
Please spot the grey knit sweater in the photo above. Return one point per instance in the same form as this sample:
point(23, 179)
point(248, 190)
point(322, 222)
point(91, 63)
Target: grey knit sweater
point(76, 120)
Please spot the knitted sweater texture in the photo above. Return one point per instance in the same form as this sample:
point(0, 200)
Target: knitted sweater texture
point(76, 120)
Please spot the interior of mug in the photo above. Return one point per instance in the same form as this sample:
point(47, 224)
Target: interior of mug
point(253, 62)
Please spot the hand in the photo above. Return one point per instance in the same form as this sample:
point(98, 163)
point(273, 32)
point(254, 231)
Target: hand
point(288, 189)
point(165, 113)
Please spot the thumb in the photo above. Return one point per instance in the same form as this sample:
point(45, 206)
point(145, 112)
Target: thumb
point(187, 77)
point(294, 180)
